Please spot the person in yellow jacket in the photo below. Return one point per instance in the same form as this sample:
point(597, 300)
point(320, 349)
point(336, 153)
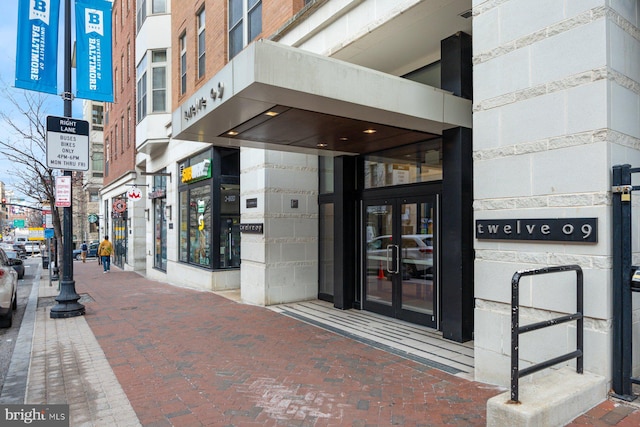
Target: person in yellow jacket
point(105, 249)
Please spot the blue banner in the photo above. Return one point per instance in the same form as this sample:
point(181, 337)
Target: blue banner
point(93, 50)
point(37, 47)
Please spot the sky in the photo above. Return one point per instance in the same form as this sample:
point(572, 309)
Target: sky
point(8, 36)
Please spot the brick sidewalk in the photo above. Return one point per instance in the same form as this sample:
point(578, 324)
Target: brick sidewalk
point(189, 358)
point(185, 357)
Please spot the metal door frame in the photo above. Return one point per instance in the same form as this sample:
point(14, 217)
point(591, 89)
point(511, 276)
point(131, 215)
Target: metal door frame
point(396, 201)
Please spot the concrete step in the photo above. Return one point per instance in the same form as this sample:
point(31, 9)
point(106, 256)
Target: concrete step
point(551, 400)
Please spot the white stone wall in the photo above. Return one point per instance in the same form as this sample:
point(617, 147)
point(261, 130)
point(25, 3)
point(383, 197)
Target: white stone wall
point(280, 265)
point(556, 105)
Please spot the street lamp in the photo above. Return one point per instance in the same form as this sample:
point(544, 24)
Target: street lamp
point(68, 305)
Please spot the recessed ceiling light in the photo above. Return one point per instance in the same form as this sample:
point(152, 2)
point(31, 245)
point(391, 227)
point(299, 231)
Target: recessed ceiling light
point(369, 131)
point(321, 145)
point(344, 138)
point(232, 133)
point(271, 113)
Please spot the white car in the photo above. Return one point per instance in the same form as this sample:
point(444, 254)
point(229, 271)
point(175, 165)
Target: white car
point(417, 255)
point(8, 291)
point(32, 247)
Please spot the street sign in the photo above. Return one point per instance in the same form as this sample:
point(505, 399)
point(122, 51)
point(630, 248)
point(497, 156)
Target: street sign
point(18, 223)
point(67, 143)
point(63, 191)
point(49, 233)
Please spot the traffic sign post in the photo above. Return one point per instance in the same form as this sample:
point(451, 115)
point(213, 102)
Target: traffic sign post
point(67, 143)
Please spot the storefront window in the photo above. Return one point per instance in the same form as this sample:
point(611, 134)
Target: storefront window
point(159, 222)
point(200, 225)
point(410, 164)
point(210, 209)
point(184, 226)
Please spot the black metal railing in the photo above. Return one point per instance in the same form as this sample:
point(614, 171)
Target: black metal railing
point(516, 329)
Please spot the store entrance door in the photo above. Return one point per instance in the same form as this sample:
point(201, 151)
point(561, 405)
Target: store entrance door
point(400, 258)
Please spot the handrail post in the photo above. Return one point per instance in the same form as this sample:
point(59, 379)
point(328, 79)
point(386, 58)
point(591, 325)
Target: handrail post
point(516, 330)
point(515, 335)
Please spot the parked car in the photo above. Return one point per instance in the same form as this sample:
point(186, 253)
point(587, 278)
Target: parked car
point(417, 255)
point(8, 291)
point(91, 253)
point(16, 262)
point(32, 247)
point(22, 251)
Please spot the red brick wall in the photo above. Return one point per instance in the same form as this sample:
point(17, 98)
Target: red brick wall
point(183, 18)
point(121, 152)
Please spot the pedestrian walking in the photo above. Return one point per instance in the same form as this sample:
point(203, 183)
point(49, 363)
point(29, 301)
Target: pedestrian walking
point(84, 248)
point(105, 249)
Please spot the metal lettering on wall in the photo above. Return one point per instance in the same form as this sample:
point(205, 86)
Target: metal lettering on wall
point(553, 229)
point(252, 228)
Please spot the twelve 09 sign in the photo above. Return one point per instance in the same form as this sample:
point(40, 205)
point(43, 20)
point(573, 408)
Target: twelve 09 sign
point(67, 143)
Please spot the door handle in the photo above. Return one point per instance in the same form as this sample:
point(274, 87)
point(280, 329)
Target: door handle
point(390, 248)
point(397, 259)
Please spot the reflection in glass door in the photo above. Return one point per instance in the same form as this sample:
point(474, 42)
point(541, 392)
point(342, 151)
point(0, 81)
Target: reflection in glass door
point(400, 252)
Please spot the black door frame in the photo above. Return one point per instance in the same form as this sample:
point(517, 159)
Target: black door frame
point(420, 193)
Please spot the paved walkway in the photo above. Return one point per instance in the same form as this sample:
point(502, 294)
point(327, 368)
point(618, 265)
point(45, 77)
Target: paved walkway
point(151, 354)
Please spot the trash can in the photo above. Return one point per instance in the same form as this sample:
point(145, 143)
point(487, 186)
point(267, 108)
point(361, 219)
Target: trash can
point(45, 262)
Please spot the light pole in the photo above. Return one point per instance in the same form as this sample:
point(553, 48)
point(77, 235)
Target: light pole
point(68, 305)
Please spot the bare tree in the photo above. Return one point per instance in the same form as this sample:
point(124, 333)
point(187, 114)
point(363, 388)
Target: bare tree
point(25, 147)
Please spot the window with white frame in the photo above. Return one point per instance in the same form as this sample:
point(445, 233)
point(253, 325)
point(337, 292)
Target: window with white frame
point(201, 43)
point(159, 81)
point(158, 6)
point(245, 24)
point(141, 103)
point(183, 63)
point(141, 13)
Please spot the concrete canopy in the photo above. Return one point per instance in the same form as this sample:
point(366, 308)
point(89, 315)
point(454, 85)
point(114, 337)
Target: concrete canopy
point(273, 96)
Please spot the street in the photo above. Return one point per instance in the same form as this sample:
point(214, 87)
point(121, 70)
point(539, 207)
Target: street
point(8, 336)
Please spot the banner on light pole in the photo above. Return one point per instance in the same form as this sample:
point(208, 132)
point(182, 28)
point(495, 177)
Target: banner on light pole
point(37, 46)
point(94, 50)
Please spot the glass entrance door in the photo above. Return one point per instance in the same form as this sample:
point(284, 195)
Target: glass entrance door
point(400, 250)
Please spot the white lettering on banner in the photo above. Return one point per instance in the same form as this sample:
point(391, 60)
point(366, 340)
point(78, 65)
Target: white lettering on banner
point(35, 52)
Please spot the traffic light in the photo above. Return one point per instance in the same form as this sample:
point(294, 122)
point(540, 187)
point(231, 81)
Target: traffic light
point(4, 202)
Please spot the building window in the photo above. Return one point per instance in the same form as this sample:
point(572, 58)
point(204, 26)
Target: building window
point(115, 142)
point(94, 196)
point(183, 63)
point(210, 209)
point(142, 91)
point(141, 13)
point(158, 6)
point(245, 23)
point(97, 115)
point(97, 164)
point(122, 135)
point(129, 126)
point(201, 44)
point(159, 81)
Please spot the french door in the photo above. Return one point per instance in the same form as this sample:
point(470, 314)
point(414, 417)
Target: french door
point(400, 258)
